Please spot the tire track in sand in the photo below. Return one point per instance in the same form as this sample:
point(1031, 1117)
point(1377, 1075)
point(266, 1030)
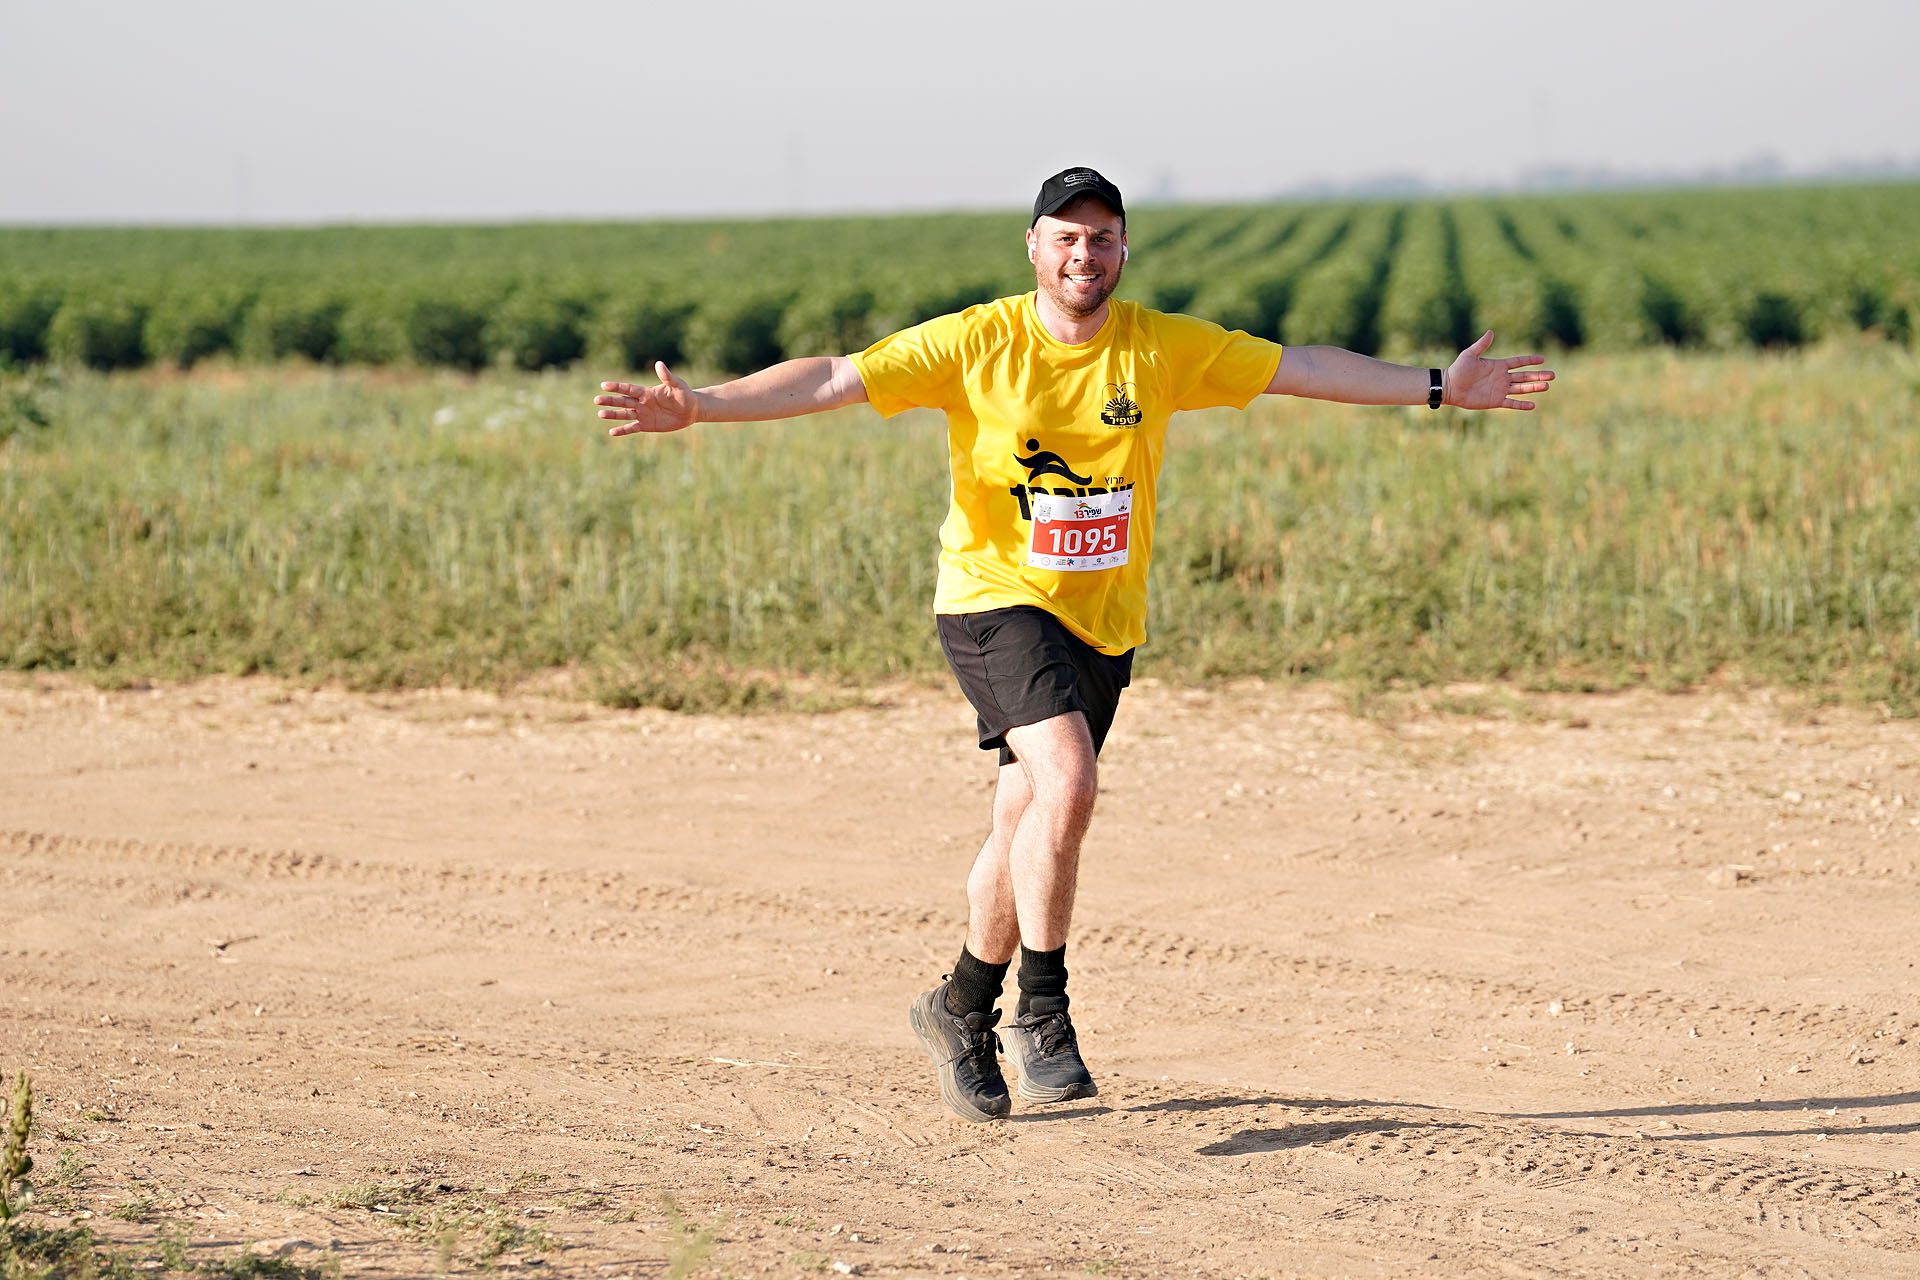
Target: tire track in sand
point(1652, 1009)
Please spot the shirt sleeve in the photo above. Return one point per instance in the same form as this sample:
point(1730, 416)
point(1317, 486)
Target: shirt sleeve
point(1215, 368)
point(916, 368)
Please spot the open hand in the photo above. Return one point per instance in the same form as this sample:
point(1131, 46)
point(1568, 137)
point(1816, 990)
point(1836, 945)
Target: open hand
point(1475, 382)
point(667, 407)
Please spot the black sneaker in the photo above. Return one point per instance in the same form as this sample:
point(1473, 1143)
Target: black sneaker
point(1046, 1056)
point(964, 1050)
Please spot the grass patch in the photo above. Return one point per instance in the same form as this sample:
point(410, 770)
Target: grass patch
point(465, 1227)
point(31, 1251)
point(1664, 520)
point(241, 1266)
point(688, 1242)
point(134, 1210)
point(379, 1197)
point(70, 1170)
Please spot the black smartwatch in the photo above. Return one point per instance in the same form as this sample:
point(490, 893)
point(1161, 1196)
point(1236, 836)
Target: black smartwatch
point(1434, 387)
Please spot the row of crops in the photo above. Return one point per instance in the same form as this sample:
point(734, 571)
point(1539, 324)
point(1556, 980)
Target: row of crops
point(1717, 269)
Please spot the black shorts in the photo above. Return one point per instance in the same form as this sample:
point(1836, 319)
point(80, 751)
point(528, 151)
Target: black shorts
point(1021, 666)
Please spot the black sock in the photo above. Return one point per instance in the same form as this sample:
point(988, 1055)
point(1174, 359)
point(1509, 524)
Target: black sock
point(1043, 982)
point(975, 984)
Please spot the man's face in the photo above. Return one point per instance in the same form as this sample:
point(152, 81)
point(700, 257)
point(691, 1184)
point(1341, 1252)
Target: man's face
point(1077, 255)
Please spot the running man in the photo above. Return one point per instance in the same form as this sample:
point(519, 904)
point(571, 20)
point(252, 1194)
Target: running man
point(1057, 404)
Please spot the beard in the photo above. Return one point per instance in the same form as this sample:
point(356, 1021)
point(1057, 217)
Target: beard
point(1078, 304)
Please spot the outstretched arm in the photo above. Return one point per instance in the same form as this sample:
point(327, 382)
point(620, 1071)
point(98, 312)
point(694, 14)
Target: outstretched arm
point(1472, 381)
point(784, 390)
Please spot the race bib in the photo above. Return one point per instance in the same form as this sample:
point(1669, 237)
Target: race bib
point(1075, 533)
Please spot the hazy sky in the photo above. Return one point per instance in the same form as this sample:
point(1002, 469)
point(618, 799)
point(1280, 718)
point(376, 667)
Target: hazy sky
point(267, 111)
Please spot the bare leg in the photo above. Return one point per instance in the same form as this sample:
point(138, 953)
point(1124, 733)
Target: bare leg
point(993, 927)
point(1049, 820)
point(1020, 893)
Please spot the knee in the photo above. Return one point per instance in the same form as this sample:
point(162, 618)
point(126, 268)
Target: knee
point(1069, 794)
point(1060, 770)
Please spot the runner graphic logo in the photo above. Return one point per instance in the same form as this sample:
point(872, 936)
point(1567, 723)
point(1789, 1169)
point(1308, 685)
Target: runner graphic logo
point(1044, 462)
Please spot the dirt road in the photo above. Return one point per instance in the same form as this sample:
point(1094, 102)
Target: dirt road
point(1489, 985)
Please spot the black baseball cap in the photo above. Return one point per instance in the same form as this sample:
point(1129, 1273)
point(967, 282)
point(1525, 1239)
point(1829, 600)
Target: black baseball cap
point(1068, 185)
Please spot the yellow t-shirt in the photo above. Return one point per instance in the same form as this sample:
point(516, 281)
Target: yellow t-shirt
point(1029, 415)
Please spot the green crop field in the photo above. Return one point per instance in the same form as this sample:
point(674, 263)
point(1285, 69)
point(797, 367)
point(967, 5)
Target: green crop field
point(1715, 269)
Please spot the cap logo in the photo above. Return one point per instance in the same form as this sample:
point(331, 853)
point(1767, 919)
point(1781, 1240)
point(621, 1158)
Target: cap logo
point(1070, 184)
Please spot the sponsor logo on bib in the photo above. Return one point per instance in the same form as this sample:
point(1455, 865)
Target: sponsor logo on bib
point(1074, 534)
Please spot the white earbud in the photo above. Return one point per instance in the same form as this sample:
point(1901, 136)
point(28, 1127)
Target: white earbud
point(1123, 253)
point(1031, 257)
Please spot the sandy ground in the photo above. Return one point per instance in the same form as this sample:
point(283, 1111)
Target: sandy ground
point(1484, 985)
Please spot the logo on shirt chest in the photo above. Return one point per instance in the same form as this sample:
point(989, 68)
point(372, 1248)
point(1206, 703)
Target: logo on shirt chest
point(1120, 409)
